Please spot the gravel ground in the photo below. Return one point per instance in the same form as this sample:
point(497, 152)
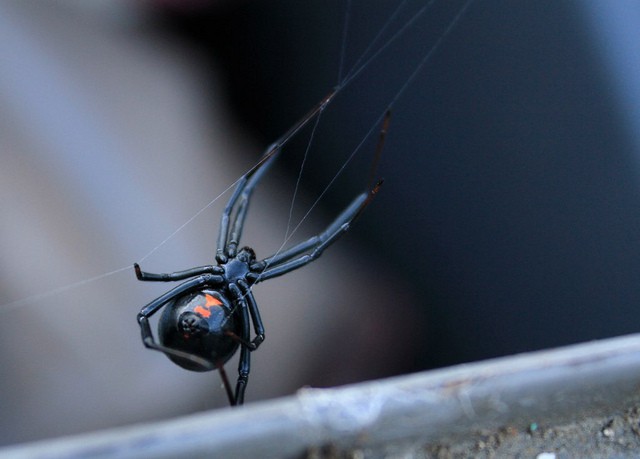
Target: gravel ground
point(617, 435)
point(613, 436)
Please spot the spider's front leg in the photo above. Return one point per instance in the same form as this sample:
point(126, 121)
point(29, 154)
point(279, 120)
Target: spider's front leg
point(228, 240)
point(228, 243)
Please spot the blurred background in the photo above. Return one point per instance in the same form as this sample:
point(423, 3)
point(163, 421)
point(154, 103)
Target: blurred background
point(508, 221)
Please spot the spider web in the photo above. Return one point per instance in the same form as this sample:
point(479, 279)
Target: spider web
point(370, 54)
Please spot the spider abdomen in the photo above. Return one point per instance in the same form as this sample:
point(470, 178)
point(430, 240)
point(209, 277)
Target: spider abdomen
point(200, 323)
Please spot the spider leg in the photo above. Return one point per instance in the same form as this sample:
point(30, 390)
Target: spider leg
point(309, 250)
point(150, 309)
point(244, 364)
point(244, 188)
point(178, 275)
point(248, 182)
point(254, 312)
point(243, 206)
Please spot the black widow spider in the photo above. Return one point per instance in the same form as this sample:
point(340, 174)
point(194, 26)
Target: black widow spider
point(207, 317)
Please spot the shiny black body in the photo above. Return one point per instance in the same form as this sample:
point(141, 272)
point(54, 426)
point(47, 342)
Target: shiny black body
point(203, 327)
point(208, 316)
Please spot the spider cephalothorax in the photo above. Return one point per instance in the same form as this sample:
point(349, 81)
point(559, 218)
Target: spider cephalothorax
point(209, 316)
